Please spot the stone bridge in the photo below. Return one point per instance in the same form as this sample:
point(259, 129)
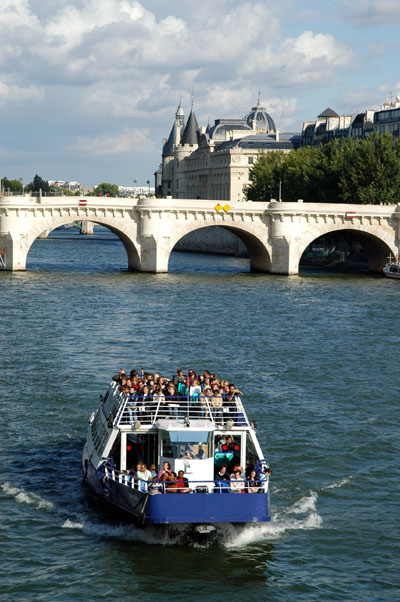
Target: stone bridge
point(275, 234)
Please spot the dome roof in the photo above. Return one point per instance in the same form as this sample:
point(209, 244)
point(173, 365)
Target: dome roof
point(262, 118)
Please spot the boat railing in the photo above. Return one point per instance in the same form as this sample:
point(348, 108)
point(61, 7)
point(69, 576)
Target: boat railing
point(120, 410)
point(259, 485)
point(139, 411)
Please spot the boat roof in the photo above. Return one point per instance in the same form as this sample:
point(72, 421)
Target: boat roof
point(166, 424)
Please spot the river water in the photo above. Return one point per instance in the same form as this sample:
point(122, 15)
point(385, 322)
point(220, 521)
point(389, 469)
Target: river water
point(317, 357)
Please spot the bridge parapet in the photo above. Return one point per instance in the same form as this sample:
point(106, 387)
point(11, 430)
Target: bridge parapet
point(275, 233)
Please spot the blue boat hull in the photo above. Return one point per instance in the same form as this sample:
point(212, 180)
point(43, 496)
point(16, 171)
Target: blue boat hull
point(208, 508)
point(181, 508)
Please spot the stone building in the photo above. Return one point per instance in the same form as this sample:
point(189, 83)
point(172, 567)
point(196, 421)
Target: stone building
point(213, 162)
point(330, 125)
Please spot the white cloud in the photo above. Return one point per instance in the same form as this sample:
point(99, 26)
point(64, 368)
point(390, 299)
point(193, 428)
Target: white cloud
point(132, 141)
point(11, 93)
point(365, 97)
point(125, 63)
point(372, 12)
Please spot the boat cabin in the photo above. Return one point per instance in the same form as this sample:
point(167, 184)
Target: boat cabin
point(190, 436)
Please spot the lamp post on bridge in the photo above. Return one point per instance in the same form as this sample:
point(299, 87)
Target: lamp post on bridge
point(134, 187)
point(148, 184)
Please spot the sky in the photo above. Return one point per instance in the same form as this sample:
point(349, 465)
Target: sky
point(89, 88)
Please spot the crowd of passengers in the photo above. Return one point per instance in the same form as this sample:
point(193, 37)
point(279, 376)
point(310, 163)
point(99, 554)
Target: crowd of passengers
point(204, 390)
point(234, 480)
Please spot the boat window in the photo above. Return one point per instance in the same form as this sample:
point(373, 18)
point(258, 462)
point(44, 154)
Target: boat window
point(141, 448)
point(166, 447)
point(251, 453)
point(227, 450)
point(190, 445)
point(99, 433)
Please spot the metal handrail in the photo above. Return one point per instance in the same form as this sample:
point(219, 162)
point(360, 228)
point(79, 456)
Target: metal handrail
point(133, 482)
point(147, 412)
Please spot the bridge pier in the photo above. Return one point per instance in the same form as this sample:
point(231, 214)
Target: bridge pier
point(87, 228)
point(154, 255)
point(13, 251)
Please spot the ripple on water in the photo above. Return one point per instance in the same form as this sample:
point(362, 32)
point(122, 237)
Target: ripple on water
point(315, 356)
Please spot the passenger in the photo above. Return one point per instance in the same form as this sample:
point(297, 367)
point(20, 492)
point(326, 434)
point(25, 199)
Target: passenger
point(165, 470)
point(236, 482)
point(155, 486)
point(222, 480)
point(216, 406)
point(172, 398)
point(237, 467)
point(200, 454)
point(186, 451)
point(179, 377)
point(143, 475)
point(164, 480)
point(159, 401)
point(144, 394)
point(194, 390)
point(253, 485)
point(172, 484)
point(183, 483)
point(205, 401)
point(153, 471)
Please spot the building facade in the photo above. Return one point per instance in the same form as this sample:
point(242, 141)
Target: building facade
point(329, 124)
point(213, 162)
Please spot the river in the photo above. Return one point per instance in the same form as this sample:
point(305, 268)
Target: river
point(317, 358)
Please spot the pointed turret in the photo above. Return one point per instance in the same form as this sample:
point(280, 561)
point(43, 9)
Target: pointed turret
point(191, 133)
point(174, 137)
point(168, 148)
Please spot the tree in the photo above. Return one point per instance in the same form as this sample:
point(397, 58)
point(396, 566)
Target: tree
point(14, 186)
point(265, 176)
point(38, 184)
point(106, 189)
point(373, 172)
point(63, 191)
point(341, 171)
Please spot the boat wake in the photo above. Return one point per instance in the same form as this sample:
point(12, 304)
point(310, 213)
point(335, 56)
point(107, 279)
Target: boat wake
point(25, 497)
point(302, 514)
point(282, 523)
point(338, 484)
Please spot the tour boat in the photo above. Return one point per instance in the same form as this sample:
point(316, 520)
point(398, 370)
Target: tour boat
point(392, 269)
point(189, 435)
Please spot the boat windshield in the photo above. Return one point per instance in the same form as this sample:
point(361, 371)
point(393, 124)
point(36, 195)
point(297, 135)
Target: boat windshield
point(183, 444)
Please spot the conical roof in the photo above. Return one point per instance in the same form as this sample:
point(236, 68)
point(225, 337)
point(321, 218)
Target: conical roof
point(191, 133)
point(168, 148)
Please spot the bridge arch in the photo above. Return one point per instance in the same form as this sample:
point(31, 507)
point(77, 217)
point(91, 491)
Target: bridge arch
point(255, 239)
point(116, 226)
point(377, 242)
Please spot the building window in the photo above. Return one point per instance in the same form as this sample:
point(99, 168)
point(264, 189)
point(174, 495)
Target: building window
point(177, 184)
point(250, 160)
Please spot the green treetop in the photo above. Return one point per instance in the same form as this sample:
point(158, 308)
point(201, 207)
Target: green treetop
point(105, 188)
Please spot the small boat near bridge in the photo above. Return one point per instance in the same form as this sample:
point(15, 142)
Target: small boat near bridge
point(392, 268)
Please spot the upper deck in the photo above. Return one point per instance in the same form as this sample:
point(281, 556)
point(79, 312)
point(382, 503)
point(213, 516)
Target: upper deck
point(143, 415)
